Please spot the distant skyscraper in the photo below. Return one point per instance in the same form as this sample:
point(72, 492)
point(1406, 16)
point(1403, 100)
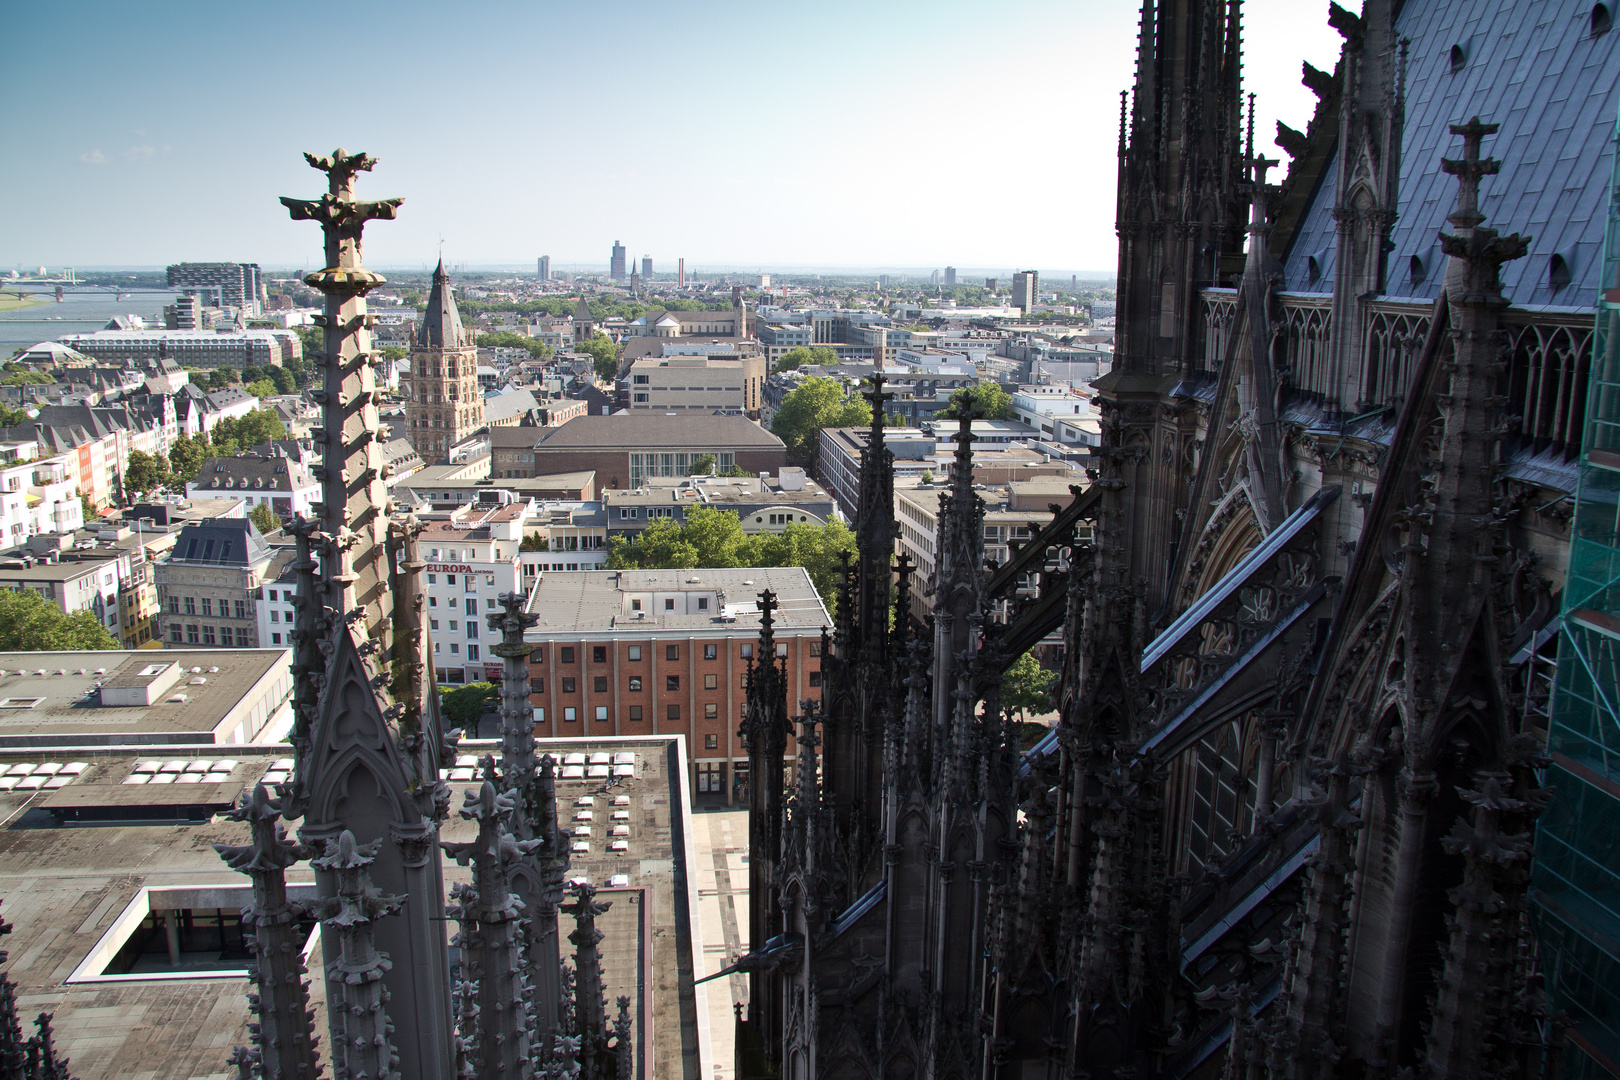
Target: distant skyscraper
point(1026, 286)
point(764, 281)
point(224, 285)
point(680, 274)
point(646, 268)
point(616, 267)
point(933, 278)
point(883, 281)
point(990, 283)
point(1074, 282)
point(544, 267)
point(950, 277)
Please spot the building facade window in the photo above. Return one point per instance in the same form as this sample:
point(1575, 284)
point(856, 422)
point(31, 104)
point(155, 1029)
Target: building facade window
point(567, 656)
point(674, 713)
point(710, 681)
point(672, 682)
point(711, 742)
point(568, 685)
point(598, 654)
point(711, 711)
point(599, 684)
point(711, 652)
point(672, 652)
point(635, 652)
point(570, 714)
point(635, 684)
point(635, 712)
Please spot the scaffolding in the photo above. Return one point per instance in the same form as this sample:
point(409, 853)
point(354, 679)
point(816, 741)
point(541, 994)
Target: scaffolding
point(1577, 869)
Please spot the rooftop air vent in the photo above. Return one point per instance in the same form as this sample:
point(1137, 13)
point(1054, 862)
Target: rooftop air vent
point(1459, 57)
point(1559, 270)
point(1602, 19)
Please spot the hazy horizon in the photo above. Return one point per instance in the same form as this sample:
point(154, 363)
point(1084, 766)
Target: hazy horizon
point(744, 137)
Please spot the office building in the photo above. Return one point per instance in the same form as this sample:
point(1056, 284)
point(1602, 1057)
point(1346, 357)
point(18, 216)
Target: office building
point(223, 285)
point(950, 277)
point(472, 559)
point(625, 448)
point(184, 314)
point(543, 267)
point(616, 267)
point(667, 652)
point(443, 404)
point(208, 588)
point(990, 284)
point(1025, 290)
point(646, 269)
point(762, 505)
point(702, 383)
point(190, 348)
point(680, 274)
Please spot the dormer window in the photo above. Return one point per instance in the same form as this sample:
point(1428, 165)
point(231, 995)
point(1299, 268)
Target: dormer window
point(1459, 57)
point(1602, 20)
point(1559, 271)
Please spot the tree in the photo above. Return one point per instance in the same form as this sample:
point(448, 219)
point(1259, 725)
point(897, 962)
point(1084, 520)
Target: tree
point(991, 401)
point(463, 705)
point(250, 429)
point(394, 352)
point(220, 378)
point(264, 519)
point(145, 472)
point(186, 457)
point(1026, 686)
point(604, 355)
point(535, 541)
point(815, 404)
point(31, 623)
point(88, 509)
point(799, 355)
point(701, 466)
point(264, 388)
point(283, 380)
point(504, 339)
point(715, 538)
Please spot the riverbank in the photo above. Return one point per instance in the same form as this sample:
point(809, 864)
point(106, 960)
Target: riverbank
point(19, 300)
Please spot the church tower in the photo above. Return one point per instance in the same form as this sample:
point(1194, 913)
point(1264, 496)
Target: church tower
point(443, 402)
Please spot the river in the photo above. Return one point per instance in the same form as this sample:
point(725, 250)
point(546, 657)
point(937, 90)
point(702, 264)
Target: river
point(82, 310)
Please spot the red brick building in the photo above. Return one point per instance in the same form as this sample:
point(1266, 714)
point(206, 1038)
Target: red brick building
point(666, 652)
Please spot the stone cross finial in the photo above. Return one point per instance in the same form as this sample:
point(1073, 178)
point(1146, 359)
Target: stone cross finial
point(1468, 169)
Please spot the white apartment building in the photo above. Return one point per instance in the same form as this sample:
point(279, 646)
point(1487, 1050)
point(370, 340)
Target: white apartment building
point(472, 558)
point(574, 535)
point(37, 496)
point(1060, 413)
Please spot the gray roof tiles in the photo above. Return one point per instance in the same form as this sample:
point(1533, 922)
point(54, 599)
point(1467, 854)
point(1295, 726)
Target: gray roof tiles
point(441, 323)
point(1533, 67)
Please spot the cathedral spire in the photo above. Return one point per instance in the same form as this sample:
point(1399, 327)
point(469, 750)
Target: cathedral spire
point(368, 764)
point(284, 1027)
point(441, 324)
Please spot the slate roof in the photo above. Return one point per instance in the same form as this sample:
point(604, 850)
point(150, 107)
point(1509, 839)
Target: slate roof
point(499, 407)
point(441, 323)
point(582, 312)
point(221, 542)
point(1534, 67)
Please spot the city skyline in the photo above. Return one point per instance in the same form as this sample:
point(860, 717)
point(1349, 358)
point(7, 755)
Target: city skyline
point(114, 176)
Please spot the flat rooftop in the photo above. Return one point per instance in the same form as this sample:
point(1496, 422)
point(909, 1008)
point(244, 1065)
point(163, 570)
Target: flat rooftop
point(65, 885)
point(601, 602)
point(55, 699)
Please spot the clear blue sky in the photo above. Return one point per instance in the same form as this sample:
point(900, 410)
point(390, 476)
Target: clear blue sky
point(891, 133)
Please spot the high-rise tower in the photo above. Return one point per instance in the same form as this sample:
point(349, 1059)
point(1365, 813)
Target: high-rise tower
point(616, 268)
point(443, 403)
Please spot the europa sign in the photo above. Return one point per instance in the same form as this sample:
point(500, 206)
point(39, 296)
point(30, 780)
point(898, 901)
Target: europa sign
point(450, 569)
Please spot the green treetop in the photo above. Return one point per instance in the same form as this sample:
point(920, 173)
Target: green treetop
point(712, 538)
point(989, 399)
point(1027, 687)
point(604, 354)
point(31, 623)
point(799, 355)
point(816, 403)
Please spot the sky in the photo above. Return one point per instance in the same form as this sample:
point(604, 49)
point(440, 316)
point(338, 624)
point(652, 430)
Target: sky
point(894, 134)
